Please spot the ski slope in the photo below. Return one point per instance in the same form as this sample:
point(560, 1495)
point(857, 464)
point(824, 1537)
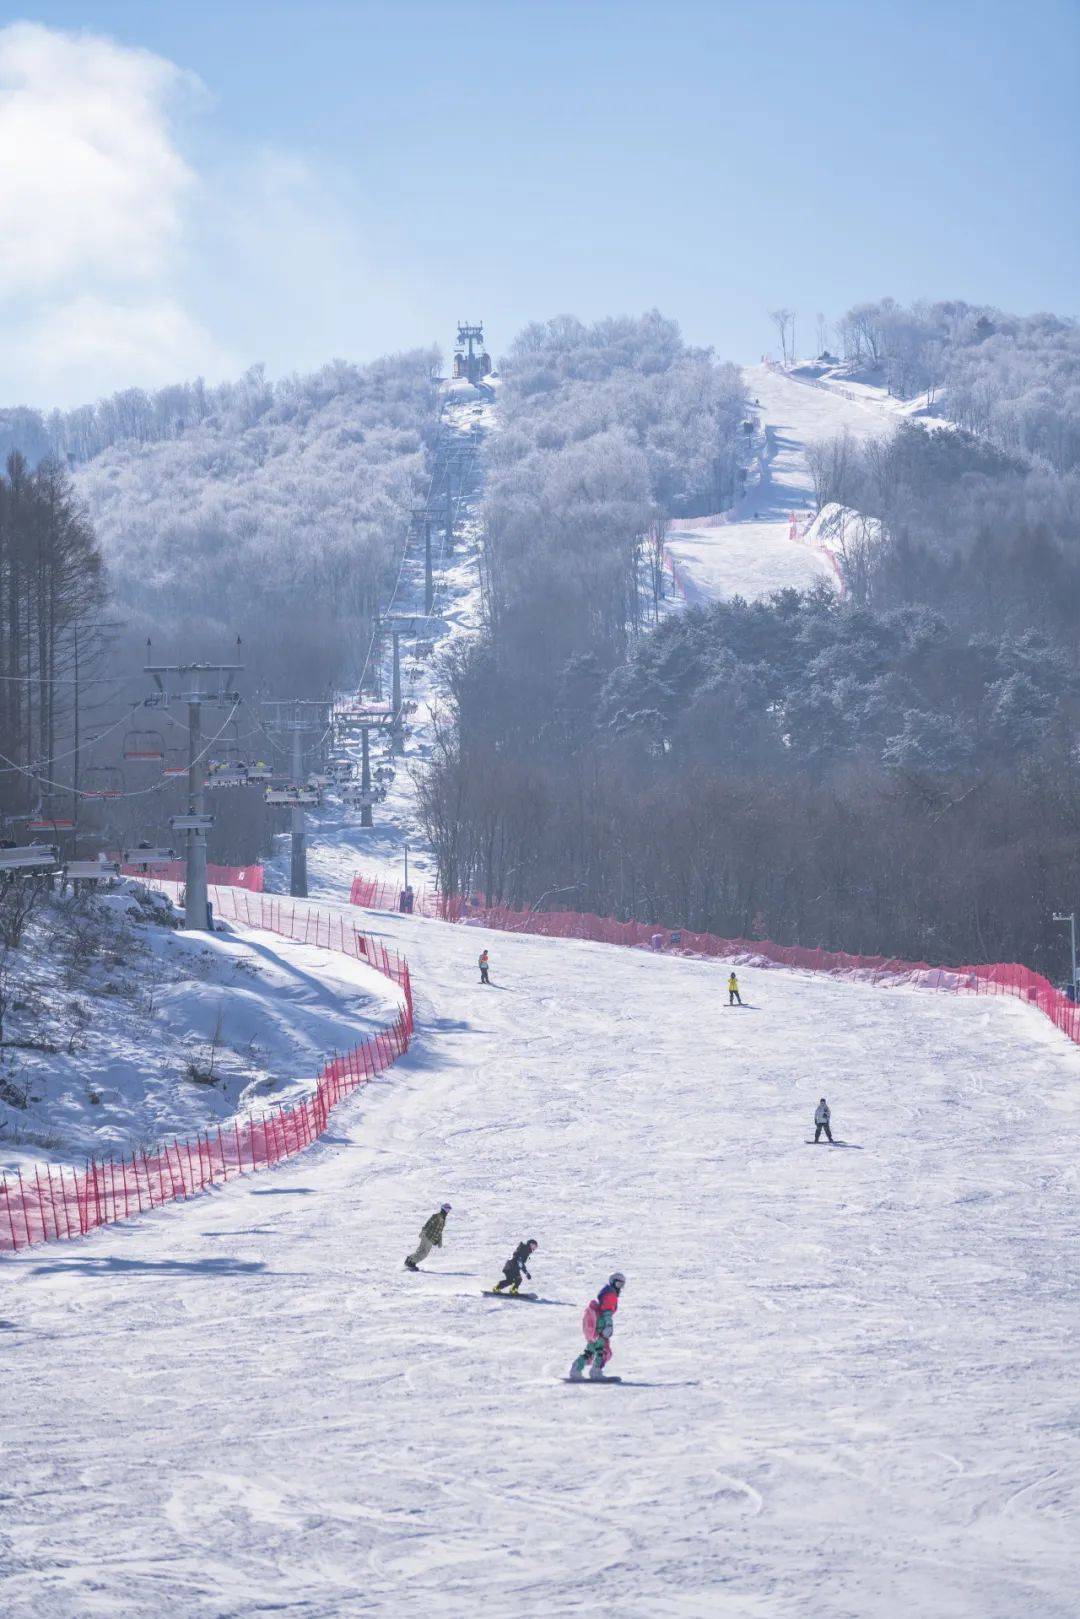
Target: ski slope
point(753, 554)
point(850, 1370)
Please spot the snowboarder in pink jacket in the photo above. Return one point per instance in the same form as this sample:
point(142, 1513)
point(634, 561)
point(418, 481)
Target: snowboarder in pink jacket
point(598, 1324)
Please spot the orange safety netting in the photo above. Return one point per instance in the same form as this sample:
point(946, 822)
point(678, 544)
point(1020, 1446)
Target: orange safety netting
point(997, 978)
point(61, 1202)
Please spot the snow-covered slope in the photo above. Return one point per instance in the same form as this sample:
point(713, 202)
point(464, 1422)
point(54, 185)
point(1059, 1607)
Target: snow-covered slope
point(753, 553)
point(130, 1033)
point(850, 1369)
point(864, 388)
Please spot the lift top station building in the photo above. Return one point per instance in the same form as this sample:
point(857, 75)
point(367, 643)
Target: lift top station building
point(471, 358)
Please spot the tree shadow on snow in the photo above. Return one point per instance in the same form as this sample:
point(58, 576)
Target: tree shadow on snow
point(100, 1264)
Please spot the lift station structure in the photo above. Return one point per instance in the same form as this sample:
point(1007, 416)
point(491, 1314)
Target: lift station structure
point(471, 360)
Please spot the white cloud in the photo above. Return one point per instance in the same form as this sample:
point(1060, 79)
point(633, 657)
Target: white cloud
point(87, 346)
point(90, 180)
point(94, 196)
point(115, 252)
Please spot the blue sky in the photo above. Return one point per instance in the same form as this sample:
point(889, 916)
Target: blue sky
point(354, 177)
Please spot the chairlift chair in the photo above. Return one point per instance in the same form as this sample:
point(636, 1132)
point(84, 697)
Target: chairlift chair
point(226, 775)
point(103, 781)
point(174, 764)
point(144, 745)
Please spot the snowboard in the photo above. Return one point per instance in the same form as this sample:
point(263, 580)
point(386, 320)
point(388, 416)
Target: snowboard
point(490, 1293)
point(592, 1379)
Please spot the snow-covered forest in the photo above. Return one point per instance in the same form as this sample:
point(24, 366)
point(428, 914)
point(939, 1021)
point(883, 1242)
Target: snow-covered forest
point(220, 510)
point(1013, 378)
point(894, 771)
point(605, 432)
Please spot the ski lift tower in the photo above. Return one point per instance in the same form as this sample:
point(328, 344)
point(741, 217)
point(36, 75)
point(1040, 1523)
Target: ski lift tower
point(365, 718)
point(297, 718)
point(199, 685)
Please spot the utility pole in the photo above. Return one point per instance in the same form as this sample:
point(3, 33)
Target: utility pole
point(365, 778)
point(201, 685)
point(195, 912)
point(429, 578)
point(298, 851)
point(297, 718)
point(396, 688)
point(1070, 917)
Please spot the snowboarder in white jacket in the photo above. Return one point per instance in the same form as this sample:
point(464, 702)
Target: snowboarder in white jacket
point(821, 1120)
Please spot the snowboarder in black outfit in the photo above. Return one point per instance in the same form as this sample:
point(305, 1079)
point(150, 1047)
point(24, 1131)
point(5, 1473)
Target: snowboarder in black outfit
point(516, 1266)
point(484, 965)
point(822, 1116)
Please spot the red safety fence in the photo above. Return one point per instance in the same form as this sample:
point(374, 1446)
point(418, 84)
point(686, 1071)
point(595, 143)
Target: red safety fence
point(175, 871)
point(998, 978)
point(62, 1202)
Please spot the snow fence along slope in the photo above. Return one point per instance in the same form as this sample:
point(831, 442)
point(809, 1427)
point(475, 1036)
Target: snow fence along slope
point(57, 1203)
point(991, 978)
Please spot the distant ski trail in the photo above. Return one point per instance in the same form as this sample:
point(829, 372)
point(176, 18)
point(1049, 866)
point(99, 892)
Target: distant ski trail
point(753, 554)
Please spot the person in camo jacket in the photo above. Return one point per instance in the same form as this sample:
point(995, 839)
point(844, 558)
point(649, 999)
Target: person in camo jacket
point(431, 1236)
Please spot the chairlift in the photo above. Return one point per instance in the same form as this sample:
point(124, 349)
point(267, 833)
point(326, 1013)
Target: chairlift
point(260, 771)
point(175, 763)
point(291, 795)
point(226, 775)
point(50, 823)
point(103, 781)
point(144, 745)
point(318, 781)
point(147, 855)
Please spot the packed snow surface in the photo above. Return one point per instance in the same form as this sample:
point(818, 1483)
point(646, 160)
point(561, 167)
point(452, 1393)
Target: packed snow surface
point(850, 1370)
point(753, 554)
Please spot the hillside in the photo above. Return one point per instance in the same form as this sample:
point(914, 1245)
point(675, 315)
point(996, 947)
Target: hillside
point(121, 1031)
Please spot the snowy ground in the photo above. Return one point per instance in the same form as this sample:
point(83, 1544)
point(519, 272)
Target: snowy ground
point(867, 389)
point(144, 1033)
point(850, 1370)
point(753, 554)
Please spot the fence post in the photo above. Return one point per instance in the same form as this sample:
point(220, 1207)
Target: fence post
point(11, 1218)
